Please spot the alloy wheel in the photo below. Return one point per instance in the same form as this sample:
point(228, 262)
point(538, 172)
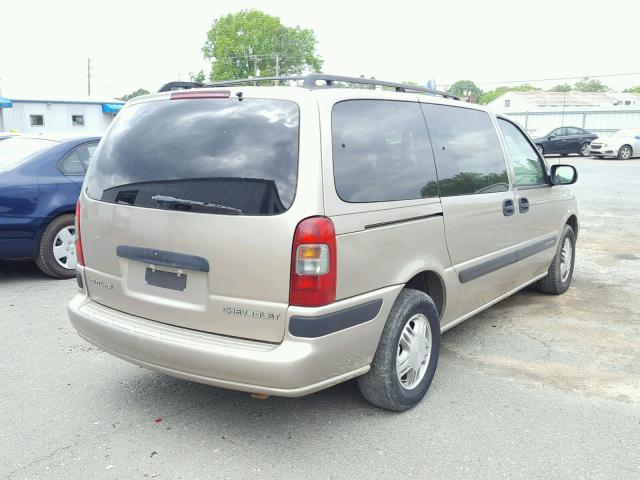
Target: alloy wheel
point(585, 150)
point(625, 153)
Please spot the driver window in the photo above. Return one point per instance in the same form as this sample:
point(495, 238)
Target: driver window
point(524, 158)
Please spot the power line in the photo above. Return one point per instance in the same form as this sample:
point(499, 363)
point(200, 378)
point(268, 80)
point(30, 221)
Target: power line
point(581, 77)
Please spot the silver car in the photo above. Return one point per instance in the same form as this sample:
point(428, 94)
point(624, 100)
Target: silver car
point(280, 240)
point(622, 145)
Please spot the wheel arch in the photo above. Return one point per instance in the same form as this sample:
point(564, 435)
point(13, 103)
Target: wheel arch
point(66, 210)
point(431, 283)
point(572, 221)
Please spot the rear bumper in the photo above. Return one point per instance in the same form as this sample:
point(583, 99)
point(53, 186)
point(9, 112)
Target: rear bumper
point(297, 366)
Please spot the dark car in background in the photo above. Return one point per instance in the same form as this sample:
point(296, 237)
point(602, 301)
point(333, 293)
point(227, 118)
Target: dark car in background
point(40, 181)
point(564, 141)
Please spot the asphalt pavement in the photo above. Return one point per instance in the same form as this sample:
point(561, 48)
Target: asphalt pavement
point(537, 386)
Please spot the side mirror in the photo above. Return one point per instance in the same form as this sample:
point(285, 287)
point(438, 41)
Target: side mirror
point(563, 174)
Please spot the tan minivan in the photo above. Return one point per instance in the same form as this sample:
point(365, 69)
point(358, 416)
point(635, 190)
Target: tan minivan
point(283, 239)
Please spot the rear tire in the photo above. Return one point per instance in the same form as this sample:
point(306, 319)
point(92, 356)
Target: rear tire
point(403, 344)
point(625, 152)
point(56, 233)
point(560, 273)
point(585, 149)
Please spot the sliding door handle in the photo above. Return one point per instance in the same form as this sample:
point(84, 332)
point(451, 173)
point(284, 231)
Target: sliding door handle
point(508, 207)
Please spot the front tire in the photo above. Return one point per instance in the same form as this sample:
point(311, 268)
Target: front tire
point(560, 273)
point(625, 152)
point(57, 252)
point(407, 356)
point(585, 149)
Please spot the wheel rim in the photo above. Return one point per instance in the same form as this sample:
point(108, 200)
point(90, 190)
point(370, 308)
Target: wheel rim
point(64, 247)
point(625, 153)
point(585, 150)
point(414, 351)
point(566, 258)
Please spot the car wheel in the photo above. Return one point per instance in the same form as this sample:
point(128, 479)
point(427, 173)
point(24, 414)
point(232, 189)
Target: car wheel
point(560, 273)
point(585, 149)
point(625, 152)
point(540, 149)
point(57, 253)
point(405, 361)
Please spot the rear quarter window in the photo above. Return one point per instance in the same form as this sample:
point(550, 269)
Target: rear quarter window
point(381, 151)
point(237, 154)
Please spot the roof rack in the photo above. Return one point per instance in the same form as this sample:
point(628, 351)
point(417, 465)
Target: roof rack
point(311, 81)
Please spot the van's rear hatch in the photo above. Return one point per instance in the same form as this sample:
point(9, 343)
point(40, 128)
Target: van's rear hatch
point(186, 217)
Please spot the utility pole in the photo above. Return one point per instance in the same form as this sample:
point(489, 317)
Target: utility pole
point(277, 67)
point(88, 77)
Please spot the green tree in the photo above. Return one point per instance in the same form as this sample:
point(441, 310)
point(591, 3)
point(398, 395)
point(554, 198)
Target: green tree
point(137, 93)
point(565, 87)
point(465, 88)
point(199, 77)
point(239, 45)
point(491, 95)
point(635, 89)
point(587, 85)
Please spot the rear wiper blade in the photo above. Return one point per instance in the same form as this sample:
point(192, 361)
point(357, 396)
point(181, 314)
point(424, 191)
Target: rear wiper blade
point(169, 201)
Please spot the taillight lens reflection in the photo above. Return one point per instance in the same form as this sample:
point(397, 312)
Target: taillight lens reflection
point(79, 254)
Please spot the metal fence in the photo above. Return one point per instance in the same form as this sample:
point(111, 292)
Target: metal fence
point(601, 122)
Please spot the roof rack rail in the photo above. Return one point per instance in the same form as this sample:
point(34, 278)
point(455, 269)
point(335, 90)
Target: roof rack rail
point(311, 81)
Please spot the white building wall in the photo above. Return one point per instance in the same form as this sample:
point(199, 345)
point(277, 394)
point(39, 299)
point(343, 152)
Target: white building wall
point(600, 122)
point(57, 117)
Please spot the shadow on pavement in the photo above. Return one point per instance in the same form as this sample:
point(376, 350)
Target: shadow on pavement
point(18, 270)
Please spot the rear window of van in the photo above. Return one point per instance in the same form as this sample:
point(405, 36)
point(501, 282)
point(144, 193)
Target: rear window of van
point(222, 156)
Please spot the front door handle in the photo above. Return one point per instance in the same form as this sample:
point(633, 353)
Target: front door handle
point(523, 205)
point(508, 208)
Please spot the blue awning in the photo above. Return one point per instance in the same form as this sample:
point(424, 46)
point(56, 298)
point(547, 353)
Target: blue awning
point(112, 107)
point(5, 103)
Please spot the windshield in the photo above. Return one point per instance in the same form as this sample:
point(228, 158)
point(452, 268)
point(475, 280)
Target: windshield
point(626, 132)
point(240, 154)
point(14, 151)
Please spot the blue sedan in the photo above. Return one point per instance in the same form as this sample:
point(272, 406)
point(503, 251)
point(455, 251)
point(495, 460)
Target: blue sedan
point(40, 181)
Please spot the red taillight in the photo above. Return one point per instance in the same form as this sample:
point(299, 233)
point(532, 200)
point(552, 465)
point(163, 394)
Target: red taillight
point(186, 94)
point(79, 255)
point(313, 263)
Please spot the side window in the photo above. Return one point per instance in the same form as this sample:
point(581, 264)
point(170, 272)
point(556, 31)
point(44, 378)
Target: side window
point(468, 155)
point(77, 161)
point(556, 133)
point(381, 151)
point(575, 131)
point(85, 153)
point(526, 164)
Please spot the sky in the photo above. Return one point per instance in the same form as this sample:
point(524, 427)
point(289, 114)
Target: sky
point(44, 45)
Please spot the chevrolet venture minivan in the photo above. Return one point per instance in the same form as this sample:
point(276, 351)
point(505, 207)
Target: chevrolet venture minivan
point(282, 239)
